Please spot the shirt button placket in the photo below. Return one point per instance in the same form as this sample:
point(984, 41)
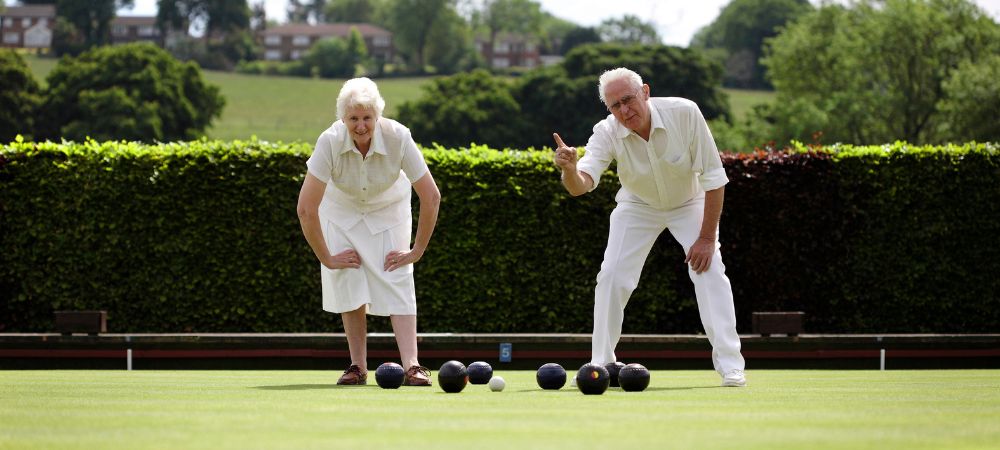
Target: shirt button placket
point(364, 182)
point(661, 187)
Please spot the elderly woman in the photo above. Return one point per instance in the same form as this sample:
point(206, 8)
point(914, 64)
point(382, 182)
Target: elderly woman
point(354, 208)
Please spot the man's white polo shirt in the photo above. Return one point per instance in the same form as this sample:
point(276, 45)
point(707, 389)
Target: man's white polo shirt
point(679, 161)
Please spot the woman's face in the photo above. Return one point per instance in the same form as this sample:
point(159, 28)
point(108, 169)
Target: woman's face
point(360, 123)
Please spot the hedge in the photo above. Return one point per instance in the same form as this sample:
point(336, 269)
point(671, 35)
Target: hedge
point(203, 237)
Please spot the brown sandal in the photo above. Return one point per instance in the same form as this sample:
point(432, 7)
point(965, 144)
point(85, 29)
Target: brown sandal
point(417, 376)
point(353, 376)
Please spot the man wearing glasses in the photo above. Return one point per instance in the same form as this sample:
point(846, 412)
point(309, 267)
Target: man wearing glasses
point(672, 178)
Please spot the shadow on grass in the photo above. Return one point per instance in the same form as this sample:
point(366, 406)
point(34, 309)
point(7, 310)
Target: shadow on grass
point(304, 387)
point(575, 390)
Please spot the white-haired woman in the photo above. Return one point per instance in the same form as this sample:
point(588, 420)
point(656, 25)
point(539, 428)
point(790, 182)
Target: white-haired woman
point(354, 209)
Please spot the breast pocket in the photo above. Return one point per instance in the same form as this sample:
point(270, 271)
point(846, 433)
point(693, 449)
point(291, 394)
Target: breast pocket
point(675, 160)
point(675, 157)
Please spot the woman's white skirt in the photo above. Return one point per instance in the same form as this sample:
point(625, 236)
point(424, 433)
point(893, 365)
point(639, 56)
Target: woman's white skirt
point(384, 293)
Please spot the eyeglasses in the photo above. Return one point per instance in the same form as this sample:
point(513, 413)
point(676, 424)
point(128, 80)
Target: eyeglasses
point(628, 100)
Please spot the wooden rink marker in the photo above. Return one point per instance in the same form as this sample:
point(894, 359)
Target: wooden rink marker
point(90, 322)
point(782, 322)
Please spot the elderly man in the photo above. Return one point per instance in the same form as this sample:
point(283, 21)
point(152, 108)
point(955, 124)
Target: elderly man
point(672, 178)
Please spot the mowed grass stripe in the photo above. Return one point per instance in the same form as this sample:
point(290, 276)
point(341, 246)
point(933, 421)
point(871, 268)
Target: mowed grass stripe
point(681, 409)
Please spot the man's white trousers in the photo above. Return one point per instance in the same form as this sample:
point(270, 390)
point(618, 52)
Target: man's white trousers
point(634, 229)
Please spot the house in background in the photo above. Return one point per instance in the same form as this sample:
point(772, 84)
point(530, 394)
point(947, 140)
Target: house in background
point(127, 29)
point(290, 42)
point(31, 27)
point(27, 26)
point(509, 50)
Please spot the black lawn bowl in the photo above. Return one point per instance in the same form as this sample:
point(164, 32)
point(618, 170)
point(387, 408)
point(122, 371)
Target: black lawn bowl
point(480, 372)
point(389, 375)
point(452, 377)
point(613, 369)
point(633, 378)
point(551, 376)
point(592, 379)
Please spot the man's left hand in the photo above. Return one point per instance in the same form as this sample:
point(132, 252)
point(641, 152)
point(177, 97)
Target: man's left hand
point(700, 255)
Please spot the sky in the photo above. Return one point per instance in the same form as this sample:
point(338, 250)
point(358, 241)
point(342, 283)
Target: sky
point(676, 20)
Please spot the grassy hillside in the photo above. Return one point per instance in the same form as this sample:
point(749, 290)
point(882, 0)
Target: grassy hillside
point(298, 109)
point(290, 108)
point(742, 101)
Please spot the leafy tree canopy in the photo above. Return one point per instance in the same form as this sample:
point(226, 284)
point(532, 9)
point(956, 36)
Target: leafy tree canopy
point(19, 97)
point(135, 92)
point(878, 71)
point(629, 29)
point(463, 108)
point(740, 29)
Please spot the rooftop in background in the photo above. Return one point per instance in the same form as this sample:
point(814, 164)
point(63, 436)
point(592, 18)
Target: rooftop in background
point(29, 11)
point(326, 29)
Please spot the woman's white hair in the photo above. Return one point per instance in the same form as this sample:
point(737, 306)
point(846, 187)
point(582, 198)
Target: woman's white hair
point(360, 92)
point(617, 74)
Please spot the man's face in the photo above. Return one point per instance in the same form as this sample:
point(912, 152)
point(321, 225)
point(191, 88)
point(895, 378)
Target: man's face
point(628, 103)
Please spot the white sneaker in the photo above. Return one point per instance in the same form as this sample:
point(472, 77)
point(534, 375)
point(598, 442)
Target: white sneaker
point(734, 378)
point(572, 381)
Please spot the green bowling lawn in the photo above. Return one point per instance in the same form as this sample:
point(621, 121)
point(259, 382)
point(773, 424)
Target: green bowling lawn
point(681, 409)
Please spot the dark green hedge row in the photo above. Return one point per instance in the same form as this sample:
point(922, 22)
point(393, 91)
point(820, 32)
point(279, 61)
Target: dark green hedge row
point(203, 237)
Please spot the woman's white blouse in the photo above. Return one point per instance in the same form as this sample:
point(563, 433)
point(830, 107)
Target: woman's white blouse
point(373, 189)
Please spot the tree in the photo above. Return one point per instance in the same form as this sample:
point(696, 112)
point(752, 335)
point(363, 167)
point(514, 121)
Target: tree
point(412, 23)
point(514, 16)
point(224, 25)
point(336, 57)
point(740, 30)
point(213, 18)
point(670, 71)
point(133, 91)
point(258, 17)
point(351, 11)
point(451, 45)
point(565, 97)
point(226, 16)
point(464, 108)
point(19, 97)
point(467, 107)
point(327, 59)
point(629, 29)
point(357, 53)
point(875, 72)
point(577, 37)
point(306, 11)
point(553, 33)
point(90, 22)
point(971, 103)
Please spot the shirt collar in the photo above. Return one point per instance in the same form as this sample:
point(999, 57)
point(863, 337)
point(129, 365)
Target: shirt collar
point(378, 144)
point(621, 131)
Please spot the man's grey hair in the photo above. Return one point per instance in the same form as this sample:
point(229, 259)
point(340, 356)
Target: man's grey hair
point(616, 74)
point(360, 92)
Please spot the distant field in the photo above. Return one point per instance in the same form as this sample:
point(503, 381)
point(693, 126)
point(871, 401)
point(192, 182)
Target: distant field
point(780, 409)
point(291, 108)
point(742, 101)
point(40, 66)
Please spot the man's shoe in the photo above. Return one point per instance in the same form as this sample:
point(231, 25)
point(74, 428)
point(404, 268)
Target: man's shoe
point(734, 378)
point(353, 376)
point(417, 376)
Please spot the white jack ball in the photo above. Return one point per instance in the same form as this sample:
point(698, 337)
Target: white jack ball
point(497, 384)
